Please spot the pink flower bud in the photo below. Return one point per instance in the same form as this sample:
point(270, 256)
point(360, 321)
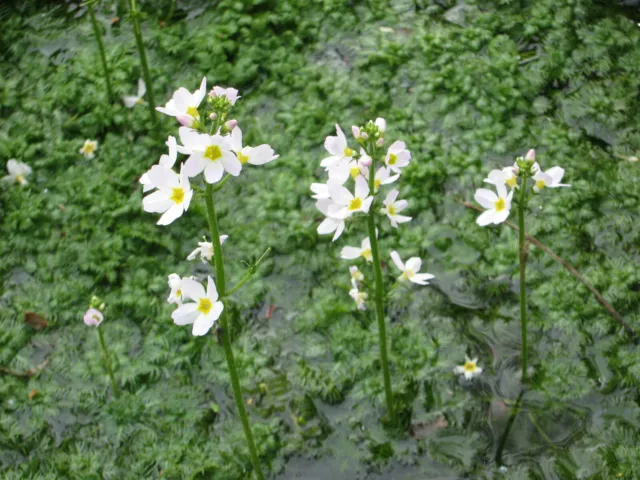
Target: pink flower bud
point(213, 93)
point(356, 132)
point(93, 318)
point(364, 135)
point(531, 155)
point(185, 120)
point(380, 142)
point(230, 125)
point(213, 116)
point(365, 161)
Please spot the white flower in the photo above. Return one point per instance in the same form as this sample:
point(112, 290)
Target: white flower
point(364, 251)
point(338, 148)
point(331, 223)
point(17, 172)
point(320, 190)
point(410, 270)
point(175, 285)
point(498, 206)
point(397, 156)
point(184, 104)
point(383, 177)
point(205, 250)
point(470, 368)
point(131, 101)
point(231, 94)
point(356, 275)
point(381, 123)
point(167, 161)
point(204, 312)
point(506, 175)
point(254, 155)
point(359, 297)
point(209, 153)
point(93, 318)
point(551, 178)
point(349, 203)
point(393, 207)
point(349, 167)
point(89, 147)
point(173, 195)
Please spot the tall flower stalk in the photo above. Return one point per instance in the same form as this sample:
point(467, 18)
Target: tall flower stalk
point(215, 154)
point(498, 207)
point(103, 56)
point(94, 318)
point(143, 60)
point(339, 205)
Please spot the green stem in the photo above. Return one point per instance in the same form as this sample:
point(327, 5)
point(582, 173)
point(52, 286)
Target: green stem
point(512, 417)
point(379, 299)
point(226, 334)
point(103, 56)
point(143, 61)
point(523, 266)
point(107, 362)
point(249, 274)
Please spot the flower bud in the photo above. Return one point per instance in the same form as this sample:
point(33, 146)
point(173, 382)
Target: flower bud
point(381, 123)
point(365, 161)
point(531, 155)
point(93, 318)
point(213, 116)
point(380, 142)
point(230, 125)
point(634, 159)
point(185, 120)
point(355, 131)
point(212, 93)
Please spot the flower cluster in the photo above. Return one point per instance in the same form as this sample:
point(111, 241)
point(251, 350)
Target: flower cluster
point(506, 181)
point(214, 150)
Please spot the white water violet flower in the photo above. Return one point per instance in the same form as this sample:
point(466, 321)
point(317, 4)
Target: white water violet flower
point(349, 203)
point(203, 311)
point(175, 285)
point(359, 297)
point(167, 161)
point(506, 175)
point(356, 275)
point(364, 251)
point(209, 153)
point(173, 196)
point(393, 207)
point(93, 317)
point(497, 206)
point(397, 156)
point(131, 101)
point(338, 148)
point(18, 172)
point(184, 104)
point(551, 178)
point(230, 94)
point(410, 270)
point(350, 167)
point(470, 368)
point(332, 223)
point(254, 155)
point(205, 250)
point(89, 148)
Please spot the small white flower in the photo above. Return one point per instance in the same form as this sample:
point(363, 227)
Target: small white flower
point(393, 207)
point(231, 94)
point(381, 123)
point(411, 270)
point(498, 206)
point(89, 147)
point(167, 161)
point(356, 275)
point(338, 148)
point(359, 297)
point(364, 251)
point(349, 167)
point(349, 203)
point(551, 178)
point(205, 250)
point(175, 285)
point(254, 155)
point(209, 153)
point(397, 156)
point(184, 104)
point(18, 172)
point(332, 223)
point(172, 197)
point(93, 318)
point(131, 101)
point(506, 175)
point(205, 310)
point(470, 368)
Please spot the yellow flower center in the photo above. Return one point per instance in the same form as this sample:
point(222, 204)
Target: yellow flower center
point(376, 184)
point(512, 182)
point(242, 157)
point(213, 153)
point(348, 152)
point(354, 172)
point(193, 111)
point(500, 204)
point(20, 179)
point(205, 306)
point(540, 184)
point(179, 293)
point(391, 209)
point(177, 196)
point(366, 254)
point(392, 159)
point(89, 148)
point(355, 204)
point(470, 367)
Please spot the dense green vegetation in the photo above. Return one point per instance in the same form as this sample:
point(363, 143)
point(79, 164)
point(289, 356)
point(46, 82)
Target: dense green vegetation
point(468, 87)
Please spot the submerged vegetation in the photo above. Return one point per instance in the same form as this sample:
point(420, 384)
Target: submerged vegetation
point(468, 87)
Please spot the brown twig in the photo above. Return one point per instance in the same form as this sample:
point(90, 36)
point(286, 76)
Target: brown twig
point(572, 270)
point(27, 373)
